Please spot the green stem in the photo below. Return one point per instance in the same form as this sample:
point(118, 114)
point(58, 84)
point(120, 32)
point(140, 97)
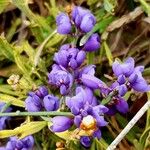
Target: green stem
point(41, 113)
point(146, 6)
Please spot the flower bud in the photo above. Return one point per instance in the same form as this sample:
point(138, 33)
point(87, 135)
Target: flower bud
point(93, 43)
point(63, 24)
point(61, 123)
point(33, 103)
point(51, 103)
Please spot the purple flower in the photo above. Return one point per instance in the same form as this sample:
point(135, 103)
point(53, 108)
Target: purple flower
point(4, 119)
point(125, 68)
point(33, 103)
point(118, 104)
point(88, 114)
point(83, 19)
point(41, 92)
point(71, 57)
point(137, 82)
point(26, 143)
point(93, 43)
point(51, 103)
point(61, 79)
point(85, 141)
point(63, 24)
point(61, 123)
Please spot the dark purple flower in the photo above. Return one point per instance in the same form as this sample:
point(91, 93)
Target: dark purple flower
point(85, 141)
point(83, 19)
point(137, 82)
point(63, 24)
point(26, 143)
point(61, 79)
point(118, 104)
point(4, 119)
point(33, 103)
point(61, 123)
point(125, 68)
point(41, 92)
point(121, 89)
point(93, 43)
point(51, 103)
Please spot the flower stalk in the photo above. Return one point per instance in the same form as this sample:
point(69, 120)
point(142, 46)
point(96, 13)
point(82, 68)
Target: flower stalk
point(41, 113)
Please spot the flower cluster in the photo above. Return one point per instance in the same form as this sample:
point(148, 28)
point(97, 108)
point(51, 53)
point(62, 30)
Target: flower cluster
point(128, 77)
point(77, 84)
point(40, 100)
point(26, 143)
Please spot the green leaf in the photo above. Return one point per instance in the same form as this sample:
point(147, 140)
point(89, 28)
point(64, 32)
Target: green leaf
point(108, 53)
point(6, 48)
point(24, 130)
point(12, 29)
point(109, 5)
point(144, 137)
point(10, 99)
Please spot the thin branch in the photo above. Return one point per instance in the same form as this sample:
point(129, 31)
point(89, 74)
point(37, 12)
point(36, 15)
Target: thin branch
point(41, 113)
point(39, 51)
point(123, 133)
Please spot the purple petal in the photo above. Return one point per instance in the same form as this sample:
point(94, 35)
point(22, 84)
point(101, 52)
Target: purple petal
point(33, 104)
point(77, 120)
point(93, 43)
point(42, 91)
point(60, 123)
point(51, 103)
point(80, 57)
point(122, 89)
point(73, 63)
point(87, 23)
point(85, 141)
point(122, 106)
point(63, 24)
point(63, 90)
point(121, 79)
point(91, 81)
point(97, 134)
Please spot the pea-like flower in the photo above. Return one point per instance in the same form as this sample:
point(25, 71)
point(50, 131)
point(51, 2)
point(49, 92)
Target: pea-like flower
point(130, 75)
point(83, 19)
point(61, 123)
point(68, 56)
point(137, 82)
point(89, 115)
point(33, 103)
point(26, 143)
point(63, 24)
point(51, 103)
point(93, 43)
point(125, 68)
point(60, 78)
point(117, 104)
point(4, 119)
